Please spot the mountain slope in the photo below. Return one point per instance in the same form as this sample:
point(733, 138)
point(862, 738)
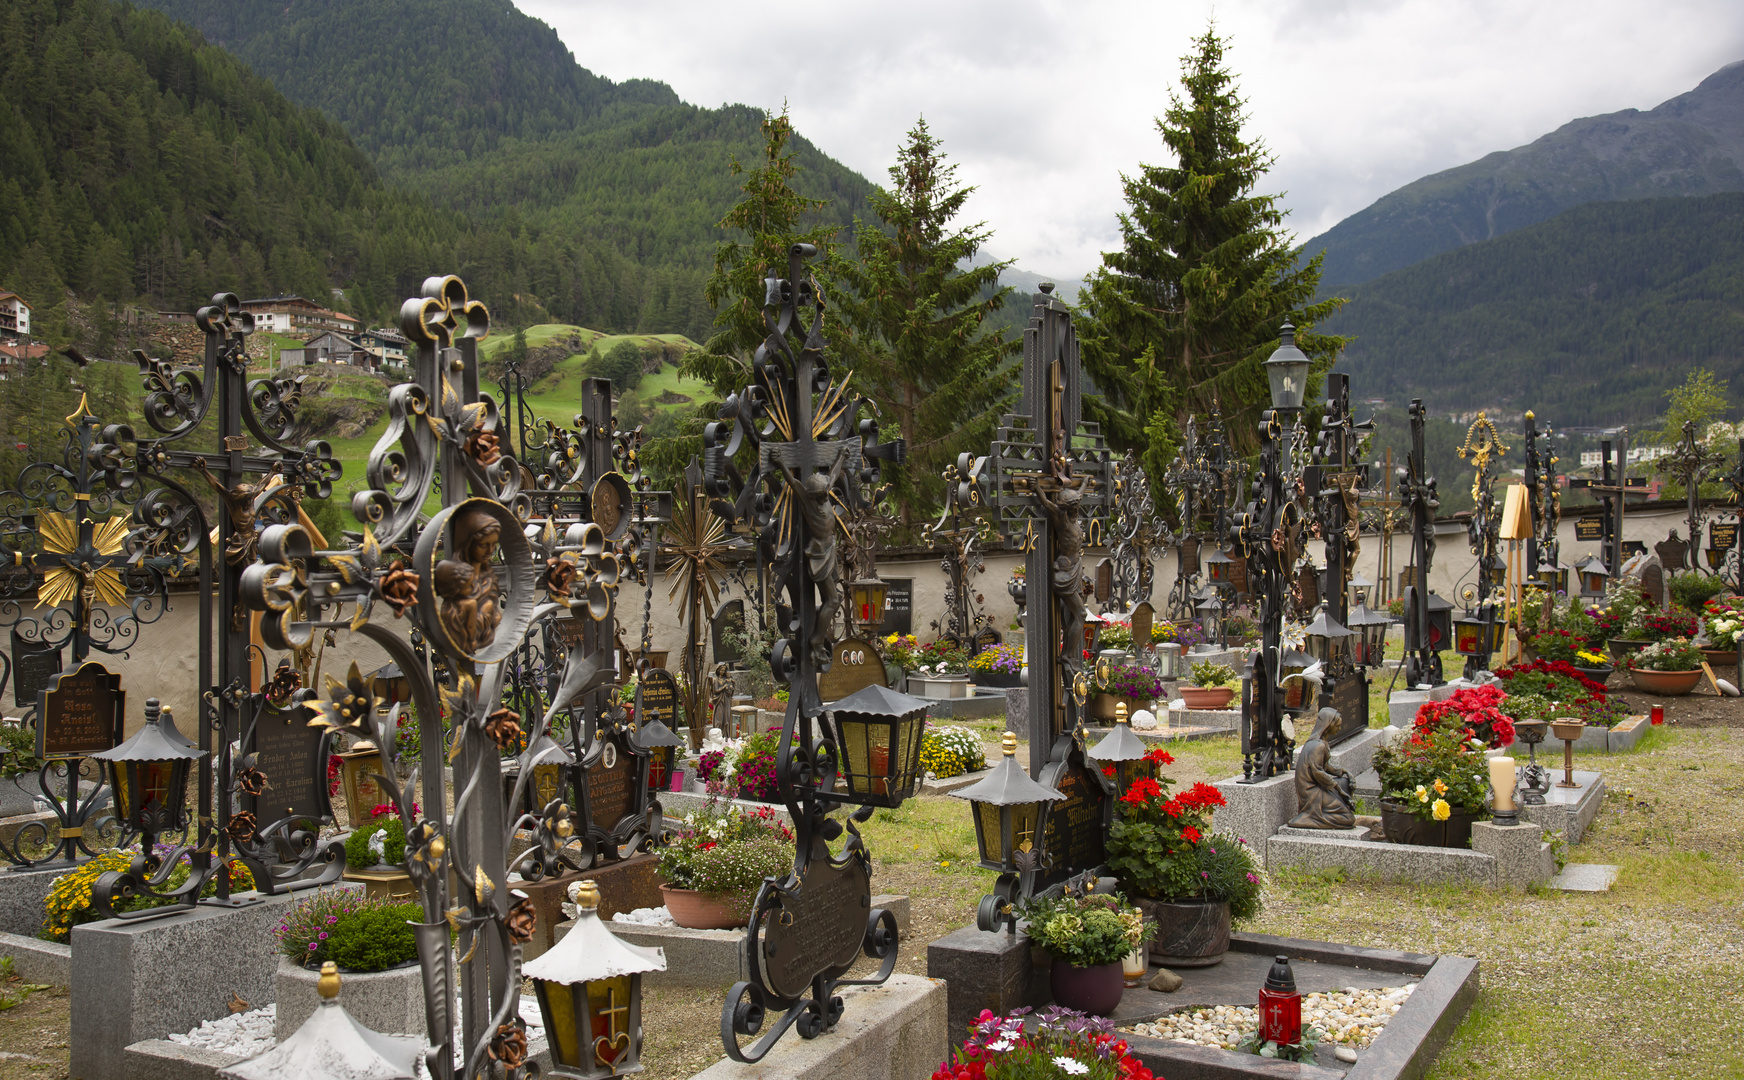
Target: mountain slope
point(1588, 317)
point(1690, 145)
point(483, 108)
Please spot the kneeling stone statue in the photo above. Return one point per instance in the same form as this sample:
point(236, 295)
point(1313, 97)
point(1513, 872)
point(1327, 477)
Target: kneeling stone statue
point(1323, 790)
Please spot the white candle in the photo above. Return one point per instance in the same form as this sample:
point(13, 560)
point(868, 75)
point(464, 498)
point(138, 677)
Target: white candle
point(1502, 782)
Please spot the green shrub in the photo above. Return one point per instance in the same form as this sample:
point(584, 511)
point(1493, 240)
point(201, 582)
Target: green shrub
point(1691, 590)
point(360, 854)
point(375, 938)
point(309, 924)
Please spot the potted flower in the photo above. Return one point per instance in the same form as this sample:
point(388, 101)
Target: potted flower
point(1194, 883)
point(1722, 625)
point(1054, 1042)
point(1212, 686)
point(1669, 668)
point(1432, 788)
point(376, 855)
point(1473, 714)
point(1087, 937)
point(712, 866)
point(1622, 618)
point(948, 750)
point(941, 671)
point(1545, 689)
point(1592, 665)
point(1132, 683)
point(899, 652)
point(370, 939)
point(997, 665)
point(753, 775)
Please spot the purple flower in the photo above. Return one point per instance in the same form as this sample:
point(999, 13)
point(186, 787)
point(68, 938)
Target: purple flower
point(313, 946)
point(323, 935)
point(1204, 873)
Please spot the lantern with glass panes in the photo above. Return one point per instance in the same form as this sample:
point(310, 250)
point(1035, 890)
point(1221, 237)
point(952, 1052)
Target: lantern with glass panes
point(1474, 635)
point(550, 761)
point(1554, 577)
point(1119, 757)
point(1291, 664)
point(1438, 613)
point(1369, 647)
point(662, 745)
point(1217, 569)
point(389, 685)
point(149, 776)
point(1593, 577)
point(870, 595)
point(589, 987)
point(1359, 589)
point(1210, 614)
point(878, 735)
point(1327, 639)
point(1011, 820)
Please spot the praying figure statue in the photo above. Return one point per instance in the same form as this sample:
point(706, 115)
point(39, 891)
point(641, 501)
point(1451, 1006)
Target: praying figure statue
point(719, 685)
point(471, 607)
point(1323, 790)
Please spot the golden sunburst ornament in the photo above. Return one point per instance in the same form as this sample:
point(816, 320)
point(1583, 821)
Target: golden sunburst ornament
point(64, 583)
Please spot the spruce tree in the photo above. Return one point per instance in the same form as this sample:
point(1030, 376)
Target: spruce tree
point(1179, 321)
point(768, 220)
point(919, 349)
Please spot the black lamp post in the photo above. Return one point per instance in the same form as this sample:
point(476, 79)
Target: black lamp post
point(1011, 821)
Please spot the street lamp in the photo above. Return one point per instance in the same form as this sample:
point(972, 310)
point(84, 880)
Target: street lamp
point(1288, 372)
point(879, 733)
point(1010, 812)
point(589, 987)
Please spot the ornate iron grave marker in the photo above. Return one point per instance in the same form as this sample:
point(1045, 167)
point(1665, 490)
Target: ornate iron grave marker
point(33, 669)
point(290, 757)
point(79, 713)
point(854, 665)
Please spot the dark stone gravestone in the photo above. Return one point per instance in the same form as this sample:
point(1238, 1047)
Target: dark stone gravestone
point(1632, 548)
point(1722, 537)
point(898, 607)
point(1407, 577)
point(1074, 830)
point(291, 759)
point(728, 632)
point(32, 668)
point(986, 639)
point(1104, 581)
point(1653, 585)
point(1589, 528)
point(79, 713)
point(610, 785)
point(1349, 694)
point(854, 665)
point(658, 692)
point(1190, 555)
point(1144, 618)
point(1673, 552)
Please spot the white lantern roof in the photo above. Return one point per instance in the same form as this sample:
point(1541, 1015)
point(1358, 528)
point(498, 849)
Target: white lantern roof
point(589, 952)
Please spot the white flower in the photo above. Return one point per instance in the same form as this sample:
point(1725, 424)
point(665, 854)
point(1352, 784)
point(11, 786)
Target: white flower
point(1071, 1066)
point(1003, 1044)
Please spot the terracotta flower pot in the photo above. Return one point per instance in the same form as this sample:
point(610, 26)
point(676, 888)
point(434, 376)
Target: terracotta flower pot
point(1094, 990)
point(1665, 683)
point(1190, 933)
point(694, 911)
point(1721, 660)
point(1401, 826)
point(1207, 697)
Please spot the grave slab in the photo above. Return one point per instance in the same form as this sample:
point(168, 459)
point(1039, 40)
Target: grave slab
point(387, 1002)
point(1522, 856)
point(1256, 811)
point(891, 1032)
point(624, 885)
point(952, 783)
point(1585, 877)
point(1570, 810)
point(1622, 738)
point(39, 961)
point(1382, 861)
point(22, 893)
point(987, 701)
point(1017, 710)
point(987, 970)
point(145, 978)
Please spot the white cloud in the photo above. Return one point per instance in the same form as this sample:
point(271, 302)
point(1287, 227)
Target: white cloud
point(1044, 104)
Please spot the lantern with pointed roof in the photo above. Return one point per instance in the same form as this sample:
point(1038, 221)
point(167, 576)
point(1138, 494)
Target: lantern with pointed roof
point(1594, 576)
point(1553, 576)
point(661, 744)
point(870, 595)
point(332, 1045)
point(1359, 589)
point(1011, 820)
point(1287, 371)
point(1369, 647)
point(149, 776)
point(1291, 664)
point(878, 735)
point(589, 987)
point(1218, 566)
point(1474, 635)
point(549, 763)
point(1210, 611)
point(1327, 639)
point(1119, 757)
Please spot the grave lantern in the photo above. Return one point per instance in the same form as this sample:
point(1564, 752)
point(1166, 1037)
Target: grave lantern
point(549, 763)
point(1092, 632)
point(1210, 612)
point(390, 685)
point(870, 595)
point(878, 734)
point(332, 1045)
point(1327, 638)
point(1593, 577)
point(1554, 577)
point(1287, 370)
point(1280, 1006)
point(1359, 588)
point(358, 768)
point(1119, 757)
point(589, 987)
point(1473, 635)
point(1291, 663)
point(149, 775)
point(1438, 614)
point(1217, 568)
point(661, 744)
point(1369, 647)
point(1011, 821)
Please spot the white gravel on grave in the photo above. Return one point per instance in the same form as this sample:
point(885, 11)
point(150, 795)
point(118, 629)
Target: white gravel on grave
point(241, 1035)
point(644, 916)
point(1349, 1017)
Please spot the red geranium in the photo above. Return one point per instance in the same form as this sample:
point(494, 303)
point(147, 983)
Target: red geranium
point(1473, 713)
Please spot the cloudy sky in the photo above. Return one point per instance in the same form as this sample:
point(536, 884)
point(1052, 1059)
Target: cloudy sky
point(1044, 104)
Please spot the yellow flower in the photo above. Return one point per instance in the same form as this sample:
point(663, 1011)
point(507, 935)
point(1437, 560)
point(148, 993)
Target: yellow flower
point(1442, 810)
point(1441, 787)
point(1422, 793)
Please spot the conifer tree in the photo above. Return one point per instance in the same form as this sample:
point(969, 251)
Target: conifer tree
point(768, 218)
point(1179, 321)
point(919, 350)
